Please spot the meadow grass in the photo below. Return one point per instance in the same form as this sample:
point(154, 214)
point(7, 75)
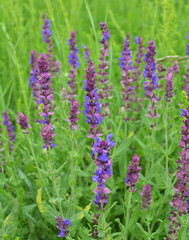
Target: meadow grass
point(35, 196)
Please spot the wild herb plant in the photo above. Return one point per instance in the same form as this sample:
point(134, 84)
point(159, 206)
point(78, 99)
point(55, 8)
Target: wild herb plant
point(89, 150)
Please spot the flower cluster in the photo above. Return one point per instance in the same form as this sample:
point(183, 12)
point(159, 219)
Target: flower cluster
point(179, 202)
point(2, 155)
point(45, 95)
point(101, 156)
point(34, 73)
point(87, 53)
point(95, 224)
point(169, 87)
point(73, 119)
point(186, 76)
point(161, 75)
point(74, 63)
point(46, 32)
point(146, 197)
point(151, 82)
point(92, 106)
point(10, 129)
point(137, 68)
point(104, 91)
point(133, 173)
point(126, 68)
point(63, 226)
point(23, 121)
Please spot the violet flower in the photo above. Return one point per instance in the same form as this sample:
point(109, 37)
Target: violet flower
point(74, 63)
point(46, 32)
point(63, 226)
point(73, 119)
point(45, 95)
point(186, 76)
point(87, 53)
point(104, 91)
point(133, 173)
point(2, 155)
point(161, 75)
point(179, 202)
point(92, 106)
point(146, 197)
point(176, 67)
point(137, 68)
point(101, 156)
point(95, 224)
point(169, 87)
point(23, 121)
point(34, 73)
point(151, 79)
point(126, 80)
point(10, 129)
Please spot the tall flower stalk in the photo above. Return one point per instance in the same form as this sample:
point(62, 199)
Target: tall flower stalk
point(150, 85)
point(179, 202)
point(136, 72)
point(101, 156)
point(74, 64)
point(10, 130)
point(104, 90)
point(131, 179)
point(127, 79)
point(54, 66)
point(92, 106)
point(45, 96)
point(186, 76)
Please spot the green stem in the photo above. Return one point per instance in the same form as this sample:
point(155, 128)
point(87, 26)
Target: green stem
point(127, 215)
point(72, 175)
point(185, 230)
point(37, 167)
point(54, 184)
point(166, 145)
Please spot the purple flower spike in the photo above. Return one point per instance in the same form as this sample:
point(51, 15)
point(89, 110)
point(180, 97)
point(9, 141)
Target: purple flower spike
point(73, 58)
point(48, 135)
point(146, 197)
point(73, 119)
point(101, 156)
point(137, 68)
point(133, 173)
point(87, 53)
point(151, 82)
point(45, 98)
point(169, 88)
point(23, 121)
point(34, 73)
point(126, 68)
point(2, 155)
point(104, 91)
point(176, 67)
point(74, 63)
point(179, 202)
point(10, 129)
point(186, 76)
point(63, 226)
point(54, 66)
point(92, 106)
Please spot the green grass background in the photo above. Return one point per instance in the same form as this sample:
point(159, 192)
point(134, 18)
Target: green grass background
point(164, 21)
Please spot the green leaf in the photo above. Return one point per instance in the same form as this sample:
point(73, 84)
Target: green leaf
point(140, 232)
point(134, 218)
point(160, 177)
point(159, 230)
point(11, 221)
